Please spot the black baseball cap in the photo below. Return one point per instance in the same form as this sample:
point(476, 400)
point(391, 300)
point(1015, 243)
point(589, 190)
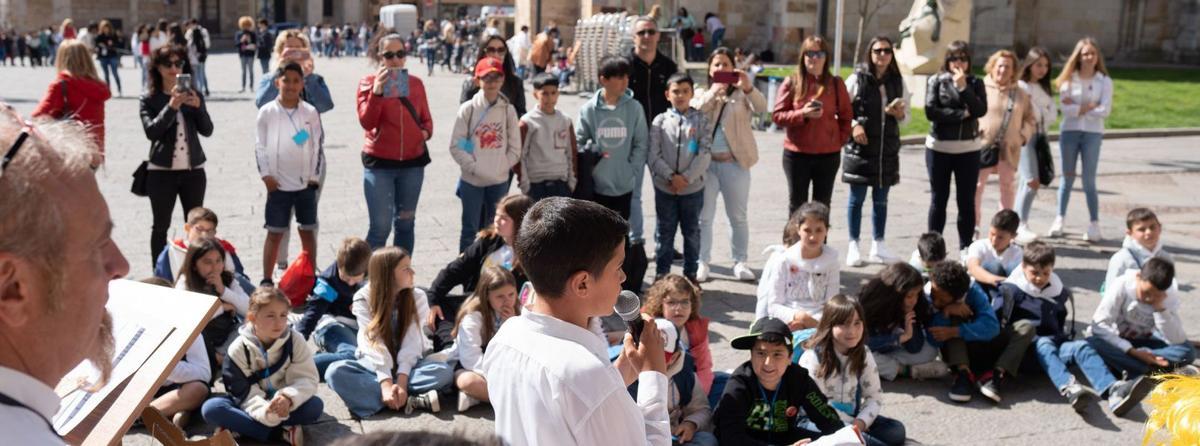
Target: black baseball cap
point(767, 329)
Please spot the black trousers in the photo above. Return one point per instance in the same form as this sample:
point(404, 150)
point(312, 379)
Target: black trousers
point(621, 204)
point(964, 167)
point(802, 169)
point(163, 186)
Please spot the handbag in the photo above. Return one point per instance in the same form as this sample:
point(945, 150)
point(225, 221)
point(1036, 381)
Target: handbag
point(139, 180)
point(990, 155)
point(1045, 162)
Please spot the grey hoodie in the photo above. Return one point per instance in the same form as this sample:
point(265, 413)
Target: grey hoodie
point(620, 135)
point(496, 140)
point(680, 143)
point(1132, 255)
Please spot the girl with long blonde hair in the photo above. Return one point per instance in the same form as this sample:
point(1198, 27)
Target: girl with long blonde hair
point(77, 93)
point(1085, 97)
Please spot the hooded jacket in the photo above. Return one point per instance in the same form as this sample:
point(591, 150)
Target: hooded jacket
point(495, 140)
point(392, 134)
point(296, 379)
point(1132, 255)
point(680, 143)
point(744, 416)
point(1045, 307)
point(620, 135)
point(84, 102)
point(876, 163)
point(983, 326)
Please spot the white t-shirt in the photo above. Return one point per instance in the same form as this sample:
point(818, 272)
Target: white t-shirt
point(1001, 264)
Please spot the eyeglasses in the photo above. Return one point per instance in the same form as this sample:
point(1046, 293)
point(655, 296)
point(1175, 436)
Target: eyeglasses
point(12, 151)
point(686, 303)
point(647, 32)
point(393, 55)
point(814, 54)
point(882, 51)
point(496, 50)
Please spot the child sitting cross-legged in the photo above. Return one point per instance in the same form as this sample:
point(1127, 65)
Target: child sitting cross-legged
point(687, 404)
point(493, 302)
point(838, 360)
point(897, 314)
point(203, 271)
point(963, 320)
point(677, 299)
point(269, 375)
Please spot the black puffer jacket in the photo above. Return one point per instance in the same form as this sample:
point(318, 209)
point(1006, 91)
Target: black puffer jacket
point(954, 115)
point(876, 163)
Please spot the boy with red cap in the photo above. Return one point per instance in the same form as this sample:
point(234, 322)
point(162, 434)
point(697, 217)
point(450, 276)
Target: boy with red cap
point(486, 143)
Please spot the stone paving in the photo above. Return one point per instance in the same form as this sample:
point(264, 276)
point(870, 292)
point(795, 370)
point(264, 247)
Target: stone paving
point(1157, 172)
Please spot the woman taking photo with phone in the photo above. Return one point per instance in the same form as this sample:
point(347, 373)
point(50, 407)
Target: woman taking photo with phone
point(813, 106)
point(871, 159)
point(954, 101)
point(397, 124)
point(1085, 94)
point(173, 117)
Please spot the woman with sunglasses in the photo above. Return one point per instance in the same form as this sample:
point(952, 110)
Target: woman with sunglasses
point(514, 87)
point(814, 135)
point(954, 101)
point(394, 153)
point(173, 117)
point(871, 159)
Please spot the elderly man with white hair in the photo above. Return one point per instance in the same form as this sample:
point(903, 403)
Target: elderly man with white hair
point(56, 259)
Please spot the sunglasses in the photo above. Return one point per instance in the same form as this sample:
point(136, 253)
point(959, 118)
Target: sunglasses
point(175, 64)
point(957, 58)
point(496, 50)
point(814, 54)
point(882, 51)
point(647, 32)
point(389, 55)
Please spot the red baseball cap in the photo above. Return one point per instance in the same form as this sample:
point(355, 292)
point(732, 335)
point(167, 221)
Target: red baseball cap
point(487, 66)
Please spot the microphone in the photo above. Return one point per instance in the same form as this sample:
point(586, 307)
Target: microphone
point(629, 307)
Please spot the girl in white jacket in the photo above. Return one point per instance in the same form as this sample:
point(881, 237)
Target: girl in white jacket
point(391, 370)
point(797, 281)
point(494, 301)
point(839, 362)
point(270, 376)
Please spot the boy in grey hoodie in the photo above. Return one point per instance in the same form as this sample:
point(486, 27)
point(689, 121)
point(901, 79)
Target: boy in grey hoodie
point(486, 143)
point(612, 125)
point(548, 146)
point(1143, 241)
point(680, 145)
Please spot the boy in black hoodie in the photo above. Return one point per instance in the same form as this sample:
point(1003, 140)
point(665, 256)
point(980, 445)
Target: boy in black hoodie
point(768, 397)
point(327, 311)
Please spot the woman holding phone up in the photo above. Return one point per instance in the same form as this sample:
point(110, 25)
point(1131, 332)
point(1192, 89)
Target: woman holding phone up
point(397, 124)
point(173, 117)
point(872, 156)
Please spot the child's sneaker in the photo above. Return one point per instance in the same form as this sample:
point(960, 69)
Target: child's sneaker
point(293, 435)
point(1078, 395)
point(1093, 232)
point(427, 401)
point(702, 272)
point(465, 401)
point(1024, 235)
point(963, 387)
point(742, 272)
point(1056, 229)
point(879, 253)
point(1127, 394)
point(930, 370)
point(990, 383)
point(853, 257)
point(1187, 370)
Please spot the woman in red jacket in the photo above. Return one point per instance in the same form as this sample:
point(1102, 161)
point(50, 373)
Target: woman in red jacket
point(77, 93)
point(813, 106)
point(394, 153)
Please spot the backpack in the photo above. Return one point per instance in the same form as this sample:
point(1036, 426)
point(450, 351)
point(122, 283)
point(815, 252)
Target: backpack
point(685, 380)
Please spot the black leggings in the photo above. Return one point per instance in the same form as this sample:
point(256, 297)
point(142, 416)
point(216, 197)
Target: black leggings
point(965, 169)
point(802, 169)
point(163, 186)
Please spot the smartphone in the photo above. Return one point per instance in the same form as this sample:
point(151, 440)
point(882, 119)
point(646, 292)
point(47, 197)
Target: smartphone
point(725, 77)
point(817, 103)
point(895, 102)
point(183, 82)
point(397, 83)
point(296, 55)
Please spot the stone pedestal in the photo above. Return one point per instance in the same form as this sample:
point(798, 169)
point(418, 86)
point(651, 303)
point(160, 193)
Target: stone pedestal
point(916, 84)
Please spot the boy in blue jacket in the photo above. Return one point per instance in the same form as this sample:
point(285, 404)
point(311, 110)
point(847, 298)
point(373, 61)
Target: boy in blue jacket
point(962, 318)
point(327, 311)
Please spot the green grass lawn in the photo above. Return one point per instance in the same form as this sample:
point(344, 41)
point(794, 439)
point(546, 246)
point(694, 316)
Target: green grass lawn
point(1144, 98)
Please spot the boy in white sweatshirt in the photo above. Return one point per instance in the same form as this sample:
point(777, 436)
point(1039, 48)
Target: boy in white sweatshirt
point(290, 161)
point(486, 144)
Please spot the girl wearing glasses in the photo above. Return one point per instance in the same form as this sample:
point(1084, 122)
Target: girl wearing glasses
point(814, 135)
point(513, 88)
point(954, 101)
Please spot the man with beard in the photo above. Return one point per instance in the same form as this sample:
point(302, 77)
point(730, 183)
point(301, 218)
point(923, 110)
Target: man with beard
point(56, 259)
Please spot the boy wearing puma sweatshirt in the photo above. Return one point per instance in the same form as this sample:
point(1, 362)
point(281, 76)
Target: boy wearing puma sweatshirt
point(613, 125)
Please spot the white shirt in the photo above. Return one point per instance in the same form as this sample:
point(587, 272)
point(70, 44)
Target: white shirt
point(998, 263)
point(551, 383)
point(193, 366)
point(27, 425)
point(791, 283)
point(293, 165)
point(1098, 90)
point(375, 354)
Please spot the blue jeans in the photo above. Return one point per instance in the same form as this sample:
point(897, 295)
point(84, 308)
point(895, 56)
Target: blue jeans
point(547, 189)
point(702, 438)
point(683, 212)
point(108, 64)
point(336, 342)
point(716, 37)
point(885, 431)
point(858, 195)
point(1055, 358)
point(636, 220)
point(264, 62)
point(718, 388)
point(1026, 170)
point(1176, 355)
point(392, 196)
point(478, 208)
point(1085, 146)
point(247, 72)
point(430, 54)
point(732, 182)
point(201, 77)
point(356, 384)
point(221, 411)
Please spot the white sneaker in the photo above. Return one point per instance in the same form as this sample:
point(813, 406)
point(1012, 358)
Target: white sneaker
point(879, 253)
point(465, 401)
point(1024, 235)
point(1056, 229)
point(853, 257)
point(702, 272)
point(1093, 232)
point(743, 272)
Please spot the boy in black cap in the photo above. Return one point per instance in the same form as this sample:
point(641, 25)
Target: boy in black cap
point(768, 397)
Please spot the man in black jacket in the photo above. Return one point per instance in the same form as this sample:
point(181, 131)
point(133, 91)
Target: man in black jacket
point(768, 397)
